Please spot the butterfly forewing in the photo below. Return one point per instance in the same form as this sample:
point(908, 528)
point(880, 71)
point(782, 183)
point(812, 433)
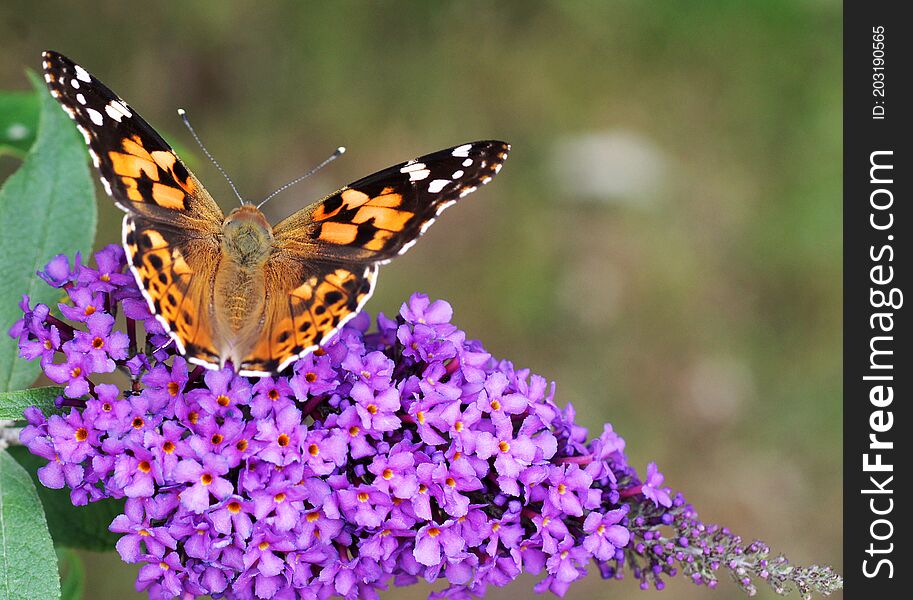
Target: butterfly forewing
point(136, 166)
point(380, 216)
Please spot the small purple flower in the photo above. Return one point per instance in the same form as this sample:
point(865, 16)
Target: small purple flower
point(651, 487)
point(59, 273)
point(206, 479)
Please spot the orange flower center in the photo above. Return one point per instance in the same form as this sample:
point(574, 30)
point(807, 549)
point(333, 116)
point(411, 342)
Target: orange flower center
point(450, 481)
point(144, 466)
point(106, 278)
point(263, 546)
point(48, 345)
point(354, 430)
point(144, 532)
point(422, 488)
point(168, 447)
point(495, 527)
point(216, 439)
point(279, 498)
point(241, 445)
point(234, 507)
point(434, 532)
point(362, 496)
point(372, 408)
point(313, 450)
point(75, 372)
point(193, 417)
point(138, 423)
point(273, 394)
point(81, 435)
point(420, 417)
point(206, 479)
point(89, 310)
point(173, 388)
point(106, 407)
point(223, 400)
point(283, 440)
point(310, 377)
point(98, 343)
point(164, 566)
point(313, 516)
point(503, 446)
point(387, 474)
point(458, 426)
point(562, 489)
point(495, 405)
point(600, 530)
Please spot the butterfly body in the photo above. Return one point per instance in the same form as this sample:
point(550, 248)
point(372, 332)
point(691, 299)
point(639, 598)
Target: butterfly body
point(236, 289)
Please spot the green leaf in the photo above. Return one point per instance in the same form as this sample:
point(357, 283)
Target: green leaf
point(47, 207)
point(28, 565)
point(72, 574)
point(18, 122)
point(81, 527)
point(13, 403)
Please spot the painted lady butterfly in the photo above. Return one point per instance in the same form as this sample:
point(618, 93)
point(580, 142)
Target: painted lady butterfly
point(234, 289)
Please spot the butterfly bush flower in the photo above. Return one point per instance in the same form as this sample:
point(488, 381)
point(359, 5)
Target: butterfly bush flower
point(381, 459)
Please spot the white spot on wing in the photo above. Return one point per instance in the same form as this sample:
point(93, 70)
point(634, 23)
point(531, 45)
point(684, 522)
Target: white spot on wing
point(116, 110)
point(426, 225)
point(437, 185)
point(462, 151)
point(467, 162)
point(48, 78)
point(80, 98)
point(82, 74)
point(105, 184)
point(467, 190)
point(95, 116)
point(457, 174)
point(74, 83)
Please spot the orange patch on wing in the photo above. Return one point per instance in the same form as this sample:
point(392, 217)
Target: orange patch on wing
point(354, 198)
point(338, 233)
point(167, 196)
point(387, 200)
point(379, 241)
point(303, 291)
point(163, 159)
point(133, 166)
point(134, 146)
point(133, 192)
point(384, 218)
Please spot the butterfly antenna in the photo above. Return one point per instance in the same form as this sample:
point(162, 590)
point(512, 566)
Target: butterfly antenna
point(183, 115)
point(339, 152)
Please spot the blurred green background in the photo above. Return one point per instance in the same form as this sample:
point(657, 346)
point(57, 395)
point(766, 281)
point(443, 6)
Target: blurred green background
point(664, 242)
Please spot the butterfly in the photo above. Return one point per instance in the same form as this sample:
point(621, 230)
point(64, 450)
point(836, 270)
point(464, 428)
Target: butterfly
point(234, 289)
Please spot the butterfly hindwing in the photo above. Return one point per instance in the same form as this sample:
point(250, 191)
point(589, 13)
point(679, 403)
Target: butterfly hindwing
point(136, 166)
point(380, 216)
point(307, 302)
point(175, 272)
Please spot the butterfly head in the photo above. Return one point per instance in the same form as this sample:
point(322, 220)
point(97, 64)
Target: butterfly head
point(247, 236)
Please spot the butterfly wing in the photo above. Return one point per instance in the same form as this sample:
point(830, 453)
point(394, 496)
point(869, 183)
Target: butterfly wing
point(172, 226)
point(382, 215)
point(324, 264)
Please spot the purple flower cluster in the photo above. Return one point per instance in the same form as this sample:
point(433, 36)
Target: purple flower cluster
point(402, 454)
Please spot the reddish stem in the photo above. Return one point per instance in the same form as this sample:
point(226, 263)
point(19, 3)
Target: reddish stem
point(66, 330)
point(631, 491)
point(574, 460)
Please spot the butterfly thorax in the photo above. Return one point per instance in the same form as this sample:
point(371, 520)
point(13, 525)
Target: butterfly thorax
point(247, 238)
